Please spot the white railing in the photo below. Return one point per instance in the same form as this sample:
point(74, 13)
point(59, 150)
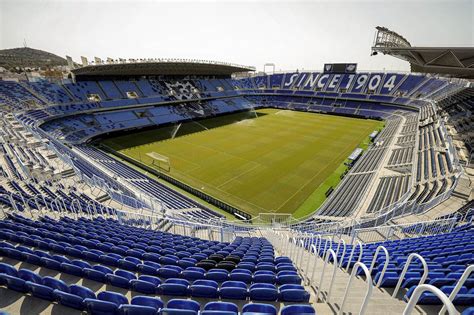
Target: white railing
point(343, 242)
point(370, 288)
point(361, 251)
point(313, 252)
point(178, 226)
point(389, 232)
point(427, 287)
point(329, 253)
point(405, 269)
point(387, 259)
point(467, 272)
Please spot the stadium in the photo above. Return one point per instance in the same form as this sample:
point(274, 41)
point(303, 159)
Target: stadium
point(185, 186)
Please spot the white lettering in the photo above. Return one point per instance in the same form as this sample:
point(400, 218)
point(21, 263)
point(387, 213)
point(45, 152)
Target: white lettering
point(334, 81)
point(292, 79)
point(361, 81)
point(322, 81)
point(301, 80)
point(349, 82)
point(374, 82)
point(311, 80)
point(390, 84)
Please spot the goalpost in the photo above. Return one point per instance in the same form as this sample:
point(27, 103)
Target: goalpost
point(160, 161)
point(175, 130)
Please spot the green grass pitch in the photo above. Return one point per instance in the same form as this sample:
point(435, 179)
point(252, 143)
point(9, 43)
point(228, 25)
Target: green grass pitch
point(270, 161)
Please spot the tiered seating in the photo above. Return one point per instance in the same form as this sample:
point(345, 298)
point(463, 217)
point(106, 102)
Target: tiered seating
point(17, 96)
point(54, 93)
point(127, 86)
point(409, 84)
point(110, 89)
point(170, 198)
point(389, 190)
point(80, 127)
point(84, 89)
point(447, 256)
point(167, 264)
point(348, 194)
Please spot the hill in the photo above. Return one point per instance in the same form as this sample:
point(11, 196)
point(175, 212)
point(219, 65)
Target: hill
point(29, 57)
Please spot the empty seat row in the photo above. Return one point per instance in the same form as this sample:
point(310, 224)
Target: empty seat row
point(80, 297)
point(179, 287)
point(287, 275)
point(117, 254)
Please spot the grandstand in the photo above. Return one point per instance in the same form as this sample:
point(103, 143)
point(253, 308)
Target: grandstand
point(90, 222)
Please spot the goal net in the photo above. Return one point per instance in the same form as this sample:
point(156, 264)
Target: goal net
point(274, 219)
point(161, 161)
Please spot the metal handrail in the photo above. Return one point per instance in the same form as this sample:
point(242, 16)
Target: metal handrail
point(405, 269)
point(294, 242)
point(370, 287)
point(343, 251)
point(34, 199)
point(307, 238)
point(467, 272)
point(387, 258)
point(316, 253)
point(361, 250)
point(326, 260)
point(428, 287)
point(12, 201)
point(300, 254)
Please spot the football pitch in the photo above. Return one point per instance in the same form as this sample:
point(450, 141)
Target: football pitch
point(265, 161)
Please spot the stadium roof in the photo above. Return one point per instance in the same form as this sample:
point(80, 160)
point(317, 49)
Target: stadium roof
point(455, 61)
point(155, 67)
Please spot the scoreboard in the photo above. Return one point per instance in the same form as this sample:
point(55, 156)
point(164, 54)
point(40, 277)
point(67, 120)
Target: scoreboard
point(340, 68)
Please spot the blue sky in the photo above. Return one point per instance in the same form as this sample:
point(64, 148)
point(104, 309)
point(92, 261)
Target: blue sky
point(291, 34)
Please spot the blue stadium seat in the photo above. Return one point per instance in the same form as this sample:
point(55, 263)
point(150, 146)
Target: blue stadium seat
point(193, 273)
point(265, 266)
point(129, 263)
point(264, 276)
point(298, 310)
point(285, 267)
point(181, 307)
point(218, 275)
point(97, 273)
point(149, 268)
point(283, 259)
point(233, 290)
point(129, 309)
point(288, 277)
point(113, 297)
point(293, 293)
point(145, 284)
point(30, 276)
point(149, 301)
point(174, 286)
point(76, 296)
point(14, 283)
point(263, 292)
point(8, 269)
point(121, 278)
point(259, 308)
point(221, 308)
point(243, 275)
point(169, 271)
point(99, 307)
point(204, 289)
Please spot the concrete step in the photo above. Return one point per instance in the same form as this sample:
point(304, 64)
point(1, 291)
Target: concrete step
point(380, 299)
